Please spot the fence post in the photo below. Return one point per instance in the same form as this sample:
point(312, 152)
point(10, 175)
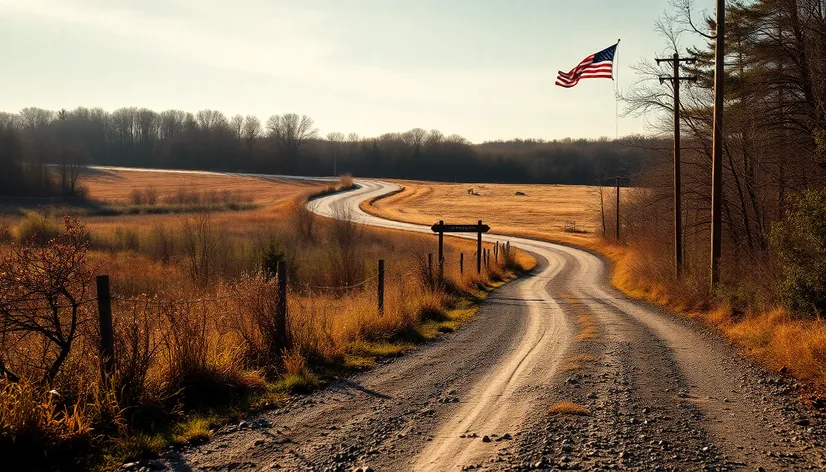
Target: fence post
point(281, 307)
point(430, 268)
point(441, 254)
point(479, 250)
point(496, 253)
point(381, 287)
point(462, 263)
point(107, 335)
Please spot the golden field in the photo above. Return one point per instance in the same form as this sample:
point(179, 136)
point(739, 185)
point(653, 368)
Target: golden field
point(768, 334)
point(193, 309)
point(540, 213)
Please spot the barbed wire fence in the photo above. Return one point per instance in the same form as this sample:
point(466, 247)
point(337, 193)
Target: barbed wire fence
point(428, 273)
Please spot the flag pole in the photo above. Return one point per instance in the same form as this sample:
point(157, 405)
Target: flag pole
point(616, 89)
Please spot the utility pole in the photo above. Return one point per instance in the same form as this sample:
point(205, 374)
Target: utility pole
point(717, 146)
point(618, 205)
point(678, 218)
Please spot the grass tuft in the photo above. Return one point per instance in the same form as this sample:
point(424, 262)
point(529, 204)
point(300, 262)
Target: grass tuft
point(569, 408)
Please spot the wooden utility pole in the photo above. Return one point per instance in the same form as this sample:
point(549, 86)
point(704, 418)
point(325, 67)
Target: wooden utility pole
point(717, 145)
point(678, 219)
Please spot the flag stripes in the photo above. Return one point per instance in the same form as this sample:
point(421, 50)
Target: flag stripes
point(595, 66)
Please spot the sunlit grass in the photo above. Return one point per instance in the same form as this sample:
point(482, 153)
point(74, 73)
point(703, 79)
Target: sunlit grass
point(569, 408)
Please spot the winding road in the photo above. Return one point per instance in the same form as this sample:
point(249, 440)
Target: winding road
point(661, 392)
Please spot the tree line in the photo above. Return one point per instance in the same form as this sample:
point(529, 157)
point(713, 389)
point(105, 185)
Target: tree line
point(774, 121)
point(283, 144)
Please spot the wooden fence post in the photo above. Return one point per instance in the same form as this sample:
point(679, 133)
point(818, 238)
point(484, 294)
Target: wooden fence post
point(496, 253)
point(441, 254)
point(107, 335)
point(381, 287)
point(462, 263)
point(430, 268)
point(479, 250)
point(281, 306)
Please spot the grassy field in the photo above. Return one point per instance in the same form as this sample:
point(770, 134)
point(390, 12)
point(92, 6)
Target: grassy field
point(541, 212)
point(193, 309)
point(118, 186)
point(769, 334)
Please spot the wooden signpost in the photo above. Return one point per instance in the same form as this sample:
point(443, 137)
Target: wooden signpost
point(442, 228)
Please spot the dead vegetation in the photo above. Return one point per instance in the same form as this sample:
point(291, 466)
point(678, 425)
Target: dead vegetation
point(748, 313)
point(569, 408)
point(193, 303)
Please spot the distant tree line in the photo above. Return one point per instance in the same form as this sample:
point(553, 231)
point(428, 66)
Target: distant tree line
point(284, 144)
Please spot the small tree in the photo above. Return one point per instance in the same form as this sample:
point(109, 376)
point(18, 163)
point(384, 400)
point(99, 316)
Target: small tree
point(800, 244)
point(42, 295)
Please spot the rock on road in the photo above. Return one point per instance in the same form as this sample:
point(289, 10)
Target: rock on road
point(662, 393)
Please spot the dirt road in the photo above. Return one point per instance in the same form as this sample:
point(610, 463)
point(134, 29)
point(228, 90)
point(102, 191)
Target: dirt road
point(660, 392)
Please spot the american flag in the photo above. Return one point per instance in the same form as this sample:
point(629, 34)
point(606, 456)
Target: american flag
point(595, 66)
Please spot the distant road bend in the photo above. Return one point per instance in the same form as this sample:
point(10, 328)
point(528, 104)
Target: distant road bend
point(660, 392)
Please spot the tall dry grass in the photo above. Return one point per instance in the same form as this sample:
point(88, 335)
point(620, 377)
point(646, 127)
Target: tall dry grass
point(194, 323)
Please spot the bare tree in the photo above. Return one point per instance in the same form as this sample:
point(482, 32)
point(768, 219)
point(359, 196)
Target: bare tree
point(291, 133)
point(43, 296)
point(250, 132)
point(335, 139)
point(211, 120)
point(236, 123)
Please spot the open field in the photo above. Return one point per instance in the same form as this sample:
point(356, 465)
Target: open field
point(193, 311)
point(769, 334)
point(117, 186)
point(542, 212)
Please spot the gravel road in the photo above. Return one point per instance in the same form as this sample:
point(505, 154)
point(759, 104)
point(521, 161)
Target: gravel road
point(661, 392)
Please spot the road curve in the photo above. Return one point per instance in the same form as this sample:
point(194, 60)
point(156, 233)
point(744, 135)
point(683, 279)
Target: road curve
point(661, 392)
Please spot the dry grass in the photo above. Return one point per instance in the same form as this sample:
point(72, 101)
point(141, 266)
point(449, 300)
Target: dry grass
point(540, 213)
point(770, 335)
point(185, 366)
point(569, 408)
point(588, 330)
point(576, 362)
point(118, 186)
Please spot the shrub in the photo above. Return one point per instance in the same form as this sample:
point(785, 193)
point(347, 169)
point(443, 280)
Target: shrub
point(30, 419)
point(800, 244)
point(5, 232)
point(42, 296)
point(257, 325)
point(161, 243)
point(126, 240)
point(37, 229)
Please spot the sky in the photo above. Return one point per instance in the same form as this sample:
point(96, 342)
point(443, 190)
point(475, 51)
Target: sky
point(483, 69)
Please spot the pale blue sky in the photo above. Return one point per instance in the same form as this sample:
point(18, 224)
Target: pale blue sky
point(484, 69)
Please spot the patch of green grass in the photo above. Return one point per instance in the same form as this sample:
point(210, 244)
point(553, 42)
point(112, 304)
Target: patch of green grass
point(194, 430)
point(379, 349)
point(299, 382)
